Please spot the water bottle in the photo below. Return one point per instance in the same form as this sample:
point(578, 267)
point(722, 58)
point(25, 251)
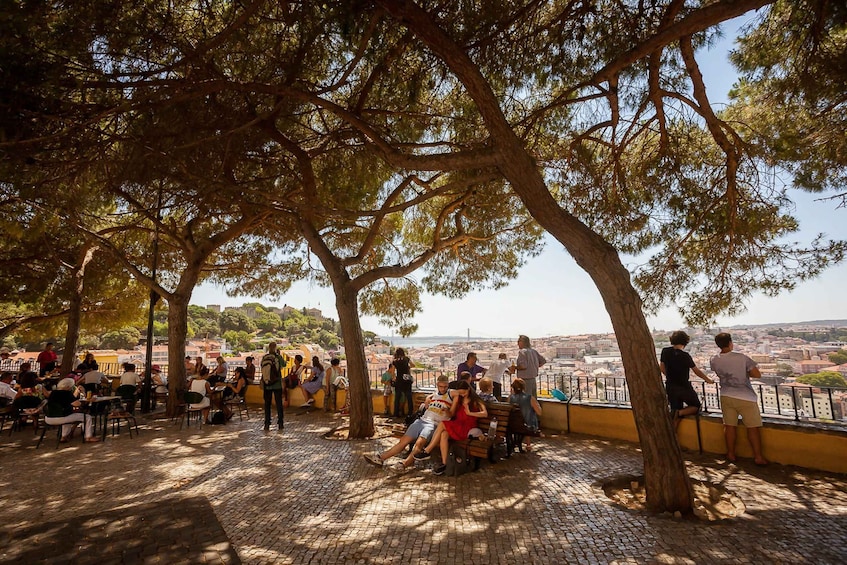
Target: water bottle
point(492, 428)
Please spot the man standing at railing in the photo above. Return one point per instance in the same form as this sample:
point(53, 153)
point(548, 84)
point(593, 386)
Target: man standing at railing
point(738, 396)
point(527, 364)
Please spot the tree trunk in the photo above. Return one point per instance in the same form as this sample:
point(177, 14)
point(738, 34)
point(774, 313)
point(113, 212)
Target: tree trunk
point(177, 331)
point(666, 481)
point(361, 406)
point(75, 310)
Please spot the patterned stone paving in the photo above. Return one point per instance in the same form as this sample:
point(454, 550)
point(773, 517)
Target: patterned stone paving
point(234, 493)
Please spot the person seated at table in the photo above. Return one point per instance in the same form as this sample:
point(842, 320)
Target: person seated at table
point(198, 366)
point(27, 379)
point(93, 380)
point(238, 389)
point(7, 391)
point(88, 364)
point(220, 372)
point(129, 376)
point(59, 410)
point(314, 383)
point(201, 385)
point(160, 382)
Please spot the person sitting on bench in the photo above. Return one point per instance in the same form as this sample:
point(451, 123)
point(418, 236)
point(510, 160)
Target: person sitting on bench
point(439, 407)
point(470, 407)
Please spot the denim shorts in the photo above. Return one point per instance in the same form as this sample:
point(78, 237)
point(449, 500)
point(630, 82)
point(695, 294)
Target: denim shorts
point(421, 428)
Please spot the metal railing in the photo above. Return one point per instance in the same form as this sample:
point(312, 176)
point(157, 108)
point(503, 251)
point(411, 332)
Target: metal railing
point(797, 402)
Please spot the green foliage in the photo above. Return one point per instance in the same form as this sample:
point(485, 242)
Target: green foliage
point(817, 336)
point(239, 340)
point(823, 379)
point(125, 338)
point(839, 357)
point(236, 321)
point(784, 370)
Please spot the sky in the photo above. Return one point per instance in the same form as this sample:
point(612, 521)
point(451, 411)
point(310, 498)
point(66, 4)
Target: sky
point(553, 296)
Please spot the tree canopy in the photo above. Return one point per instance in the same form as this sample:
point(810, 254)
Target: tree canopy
point(824, 379)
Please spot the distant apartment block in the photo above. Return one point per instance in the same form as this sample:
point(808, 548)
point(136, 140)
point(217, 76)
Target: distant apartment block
point(814, 366)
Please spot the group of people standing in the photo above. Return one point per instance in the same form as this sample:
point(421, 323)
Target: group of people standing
point(310, 379)
point(397, 379)
point(737, 397)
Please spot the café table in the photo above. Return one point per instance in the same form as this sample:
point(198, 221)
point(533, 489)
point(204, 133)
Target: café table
point(98, 408)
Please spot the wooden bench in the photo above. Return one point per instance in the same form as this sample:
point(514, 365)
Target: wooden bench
point(485, 446)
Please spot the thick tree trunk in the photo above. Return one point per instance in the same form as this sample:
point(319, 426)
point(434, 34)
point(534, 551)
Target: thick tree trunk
point(666, 480)
point(75, 310)
point(177, 332)
point(667, 483)
point(361, 406)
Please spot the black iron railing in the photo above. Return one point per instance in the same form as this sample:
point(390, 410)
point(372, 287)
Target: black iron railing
point(797, 402)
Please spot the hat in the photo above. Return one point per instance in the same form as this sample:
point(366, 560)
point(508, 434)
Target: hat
point(156, 369)
point(65, 384)
point(5, 350)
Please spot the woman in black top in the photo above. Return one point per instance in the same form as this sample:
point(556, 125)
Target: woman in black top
point(61, 402)
point(402, 382)
point(88, 364)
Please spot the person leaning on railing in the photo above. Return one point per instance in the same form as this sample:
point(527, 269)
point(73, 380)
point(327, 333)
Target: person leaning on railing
point(738, 397)
point(675, 363)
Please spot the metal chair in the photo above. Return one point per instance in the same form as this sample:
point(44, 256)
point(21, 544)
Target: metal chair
point(127, 394)
point(190, 398)
point(237, 402)
point(26, 407)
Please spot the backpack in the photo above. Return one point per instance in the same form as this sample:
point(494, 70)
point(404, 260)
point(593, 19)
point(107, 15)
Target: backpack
point(270, 371)
point(218, 418)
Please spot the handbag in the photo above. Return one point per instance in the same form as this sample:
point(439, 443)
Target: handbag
point(458, 462)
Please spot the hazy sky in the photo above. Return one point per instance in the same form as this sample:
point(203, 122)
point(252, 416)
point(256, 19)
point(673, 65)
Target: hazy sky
point(552, 296)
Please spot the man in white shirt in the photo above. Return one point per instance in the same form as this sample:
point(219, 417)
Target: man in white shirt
point(7, 391)
point(130, 377)
point(497, 373)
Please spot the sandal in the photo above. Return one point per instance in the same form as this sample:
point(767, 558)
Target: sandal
point(92, 439)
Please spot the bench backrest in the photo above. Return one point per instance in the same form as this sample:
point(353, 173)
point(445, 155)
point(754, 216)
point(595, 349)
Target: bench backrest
point(501, 411)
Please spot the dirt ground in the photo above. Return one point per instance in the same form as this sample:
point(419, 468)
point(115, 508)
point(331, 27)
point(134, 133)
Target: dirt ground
point(711, 502)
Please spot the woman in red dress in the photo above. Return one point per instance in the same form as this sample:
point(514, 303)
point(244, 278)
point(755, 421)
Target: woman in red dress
point(471, 407)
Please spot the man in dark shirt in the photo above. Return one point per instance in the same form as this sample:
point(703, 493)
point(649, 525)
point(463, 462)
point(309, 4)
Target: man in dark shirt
point(675, 363)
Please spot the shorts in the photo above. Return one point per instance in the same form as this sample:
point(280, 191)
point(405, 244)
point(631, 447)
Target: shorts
point(682, 394)
point(386, 389)
point(420, 428)
point(748, 409)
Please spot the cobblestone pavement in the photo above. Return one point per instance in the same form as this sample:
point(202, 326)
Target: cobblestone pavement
point(234, 493)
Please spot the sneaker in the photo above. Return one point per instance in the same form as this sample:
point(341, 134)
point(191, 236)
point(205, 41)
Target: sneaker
point(439, 469)
point(373, 459)
point(307, 405)
point(310, 402)
point(399, 468)
point(422, 456)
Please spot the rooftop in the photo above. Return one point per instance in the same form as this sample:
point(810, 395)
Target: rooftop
point(230, 494)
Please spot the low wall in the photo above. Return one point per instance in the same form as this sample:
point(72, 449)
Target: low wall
point(804, 445)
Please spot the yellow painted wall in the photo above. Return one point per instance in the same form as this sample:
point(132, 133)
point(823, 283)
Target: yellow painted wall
point(785, 443)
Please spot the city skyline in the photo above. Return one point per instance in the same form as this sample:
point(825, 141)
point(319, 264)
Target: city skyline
point(553, 296)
